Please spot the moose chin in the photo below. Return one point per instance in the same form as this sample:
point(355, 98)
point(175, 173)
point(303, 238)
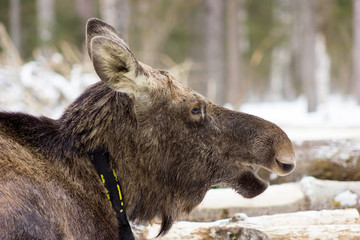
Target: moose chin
point(159, 144)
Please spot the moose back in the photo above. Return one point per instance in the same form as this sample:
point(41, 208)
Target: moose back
point(167, 144)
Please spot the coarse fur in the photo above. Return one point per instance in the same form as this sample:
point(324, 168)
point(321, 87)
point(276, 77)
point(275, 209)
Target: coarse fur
point(168, 145)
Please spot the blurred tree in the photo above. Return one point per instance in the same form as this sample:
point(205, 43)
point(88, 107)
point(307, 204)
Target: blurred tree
point(45, 24)
point(214, 49)
point(277, 40)
point(85, 9)
point(29, 28)
point(356, 49)
point(15, 23)
point(260, 24)
point(307, 58)
point(159, 27)
point(334, 21)
point(235, 24)
point(281, 81)
point(68, 30)
point(116, 13)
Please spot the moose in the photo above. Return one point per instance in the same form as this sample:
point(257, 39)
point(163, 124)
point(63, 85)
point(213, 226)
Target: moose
point(167, 145)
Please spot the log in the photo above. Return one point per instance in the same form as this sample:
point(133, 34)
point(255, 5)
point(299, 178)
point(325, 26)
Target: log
point(325, 224)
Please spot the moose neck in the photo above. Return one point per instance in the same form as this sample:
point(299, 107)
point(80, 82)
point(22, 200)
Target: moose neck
point(95, 119)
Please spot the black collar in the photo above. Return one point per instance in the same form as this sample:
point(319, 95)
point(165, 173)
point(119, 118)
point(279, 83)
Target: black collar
point(100, 159)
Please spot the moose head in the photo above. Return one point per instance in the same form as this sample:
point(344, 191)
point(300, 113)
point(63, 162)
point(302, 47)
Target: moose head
point(170, 144)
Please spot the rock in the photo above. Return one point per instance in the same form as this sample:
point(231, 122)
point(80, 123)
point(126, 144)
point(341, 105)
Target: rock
point(237, 233)
point(239, 217)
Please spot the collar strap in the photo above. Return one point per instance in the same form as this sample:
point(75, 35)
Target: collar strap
point(108, 177)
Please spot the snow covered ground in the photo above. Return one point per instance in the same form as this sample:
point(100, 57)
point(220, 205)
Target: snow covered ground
point(36, 89)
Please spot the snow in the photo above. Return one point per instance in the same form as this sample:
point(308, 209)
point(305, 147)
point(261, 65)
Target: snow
point(274, 195)
point(336, 118)
point(37, 89)
point(330, 193)
point(346, 199)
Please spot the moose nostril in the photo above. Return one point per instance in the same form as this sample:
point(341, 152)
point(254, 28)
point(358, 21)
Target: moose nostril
point(286, 167)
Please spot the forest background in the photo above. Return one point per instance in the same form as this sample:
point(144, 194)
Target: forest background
point(231, 51)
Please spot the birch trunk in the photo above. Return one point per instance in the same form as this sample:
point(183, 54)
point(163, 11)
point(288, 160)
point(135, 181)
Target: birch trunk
point(308, 62)
point(45, 12)
point(356, 49)
point(214, 52)
point(15, 23)
point(116, 13)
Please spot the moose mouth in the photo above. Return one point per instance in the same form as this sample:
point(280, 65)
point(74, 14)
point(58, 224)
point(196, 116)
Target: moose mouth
point(249, 184)
point(278, 167)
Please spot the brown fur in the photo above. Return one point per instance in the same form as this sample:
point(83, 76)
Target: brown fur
point(168, 144)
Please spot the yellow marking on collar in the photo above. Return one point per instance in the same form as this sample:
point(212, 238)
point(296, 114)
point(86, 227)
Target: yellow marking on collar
point(114, 173)
point(102, 178)
point(118, 187)
point(109, 199)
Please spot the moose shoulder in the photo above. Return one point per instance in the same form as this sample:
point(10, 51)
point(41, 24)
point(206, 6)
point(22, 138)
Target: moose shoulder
point(167, 144)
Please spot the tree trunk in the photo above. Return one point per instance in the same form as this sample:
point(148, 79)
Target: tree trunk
point(85, 9)
point(308, 63)
point(295, 46)
point(45, 12)
point(164, 18)
point(15, 23)
point(282, 81)
point(214, 52)
point(356, 49)
point(116, 13)
point(234, 60)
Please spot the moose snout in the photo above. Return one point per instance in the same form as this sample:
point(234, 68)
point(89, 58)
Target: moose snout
point(284, 155)
point(284, 165)
point(285, 168)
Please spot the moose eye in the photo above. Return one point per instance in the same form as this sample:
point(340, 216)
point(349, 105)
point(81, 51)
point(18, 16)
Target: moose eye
point(196, 110)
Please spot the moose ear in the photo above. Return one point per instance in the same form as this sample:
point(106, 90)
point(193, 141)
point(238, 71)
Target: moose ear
point(96, 27)
point(115, 64)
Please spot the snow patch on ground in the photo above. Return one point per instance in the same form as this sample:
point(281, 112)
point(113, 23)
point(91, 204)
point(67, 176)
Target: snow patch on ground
point(274, 195)
point(36, 89)
point(346, 199)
